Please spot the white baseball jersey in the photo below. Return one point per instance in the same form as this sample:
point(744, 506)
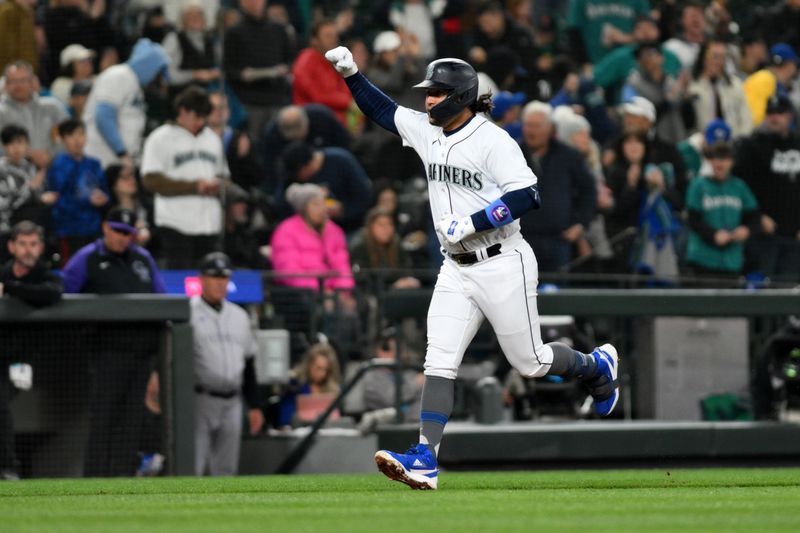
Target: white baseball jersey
point(467, 170)
point(222, 341)
point(117, 86)
point(173, 151)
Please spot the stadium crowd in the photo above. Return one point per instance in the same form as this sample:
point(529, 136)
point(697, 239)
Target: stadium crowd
point(663, 133)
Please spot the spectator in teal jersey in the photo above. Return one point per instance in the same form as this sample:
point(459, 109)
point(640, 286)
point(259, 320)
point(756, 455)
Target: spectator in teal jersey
point(722, 211)
point(611, 72)
point(598, 26)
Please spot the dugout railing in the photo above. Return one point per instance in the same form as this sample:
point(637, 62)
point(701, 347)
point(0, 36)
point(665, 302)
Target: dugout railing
point(301, 449)
point(51, 419)
point(52, 422)
point(764, 310)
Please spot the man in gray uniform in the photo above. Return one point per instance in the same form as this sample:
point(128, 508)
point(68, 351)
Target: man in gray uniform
point(224, 348)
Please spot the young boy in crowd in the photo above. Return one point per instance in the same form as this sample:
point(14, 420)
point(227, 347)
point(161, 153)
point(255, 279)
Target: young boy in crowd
point(20, 183)
point(80, 190)
point(722, 209)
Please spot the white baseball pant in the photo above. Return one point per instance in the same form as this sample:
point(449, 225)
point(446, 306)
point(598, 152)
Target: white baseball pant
point(501, 289)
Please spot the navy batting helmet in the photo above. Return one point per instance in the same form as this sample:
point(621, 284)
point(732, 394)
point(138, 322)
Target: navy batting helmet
point(458, 79)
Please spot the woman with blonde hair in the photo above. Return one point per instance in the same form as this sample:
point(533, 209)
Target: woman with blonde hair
point(317, 374)
point(319, 371)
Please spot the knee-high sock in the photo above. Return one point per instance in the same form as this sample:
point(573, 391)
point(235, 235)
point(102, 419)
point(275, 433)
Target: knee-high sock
point(570, 363)
point(437, 404)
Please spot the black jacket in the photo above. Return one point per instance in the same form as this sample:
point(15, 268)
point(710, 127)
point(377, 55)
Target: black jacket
point(95, 270)
point(770, 165)
point(628, 200)
point(324, 130)
point(567, 188)
point(782, 25)
point(258, 43)
point(39, 287)
point(346, 181)
point(514, 38)
point(68, 25)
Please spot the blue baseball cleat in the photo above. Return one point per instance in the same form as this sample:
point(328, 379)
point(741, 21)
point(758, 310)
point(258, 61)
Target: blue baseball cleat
point(417, 468)
point(604, 387)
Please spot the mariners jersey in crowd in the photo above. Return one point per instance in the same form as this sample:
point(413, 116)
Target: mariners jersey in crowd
point(222, 341)
point(173, 151)
point(118, 86)
point(95, 270)
point(467, 170)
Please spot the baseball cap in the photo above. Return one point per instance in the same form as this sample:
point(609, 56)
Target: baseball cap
point(640, 107)
point(717, 131)
point(386, 41)
point(295, 156)
point(216, 264)
point(504, 100)
point(779, 103)
point(781, 53)
point(122, 220)
point(74, 52)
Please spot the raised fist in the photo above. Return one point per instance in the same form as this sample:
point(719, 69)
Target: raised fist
point(342, 60)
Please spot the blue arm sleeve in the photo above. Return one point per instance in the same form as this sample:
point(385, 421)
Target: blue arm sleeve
point(373, 102)
point(106, 120)
point(509, 207)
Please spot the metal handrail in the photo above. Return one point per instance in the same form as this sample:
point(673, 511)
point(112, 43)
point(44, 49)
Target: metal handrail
point(302, 448)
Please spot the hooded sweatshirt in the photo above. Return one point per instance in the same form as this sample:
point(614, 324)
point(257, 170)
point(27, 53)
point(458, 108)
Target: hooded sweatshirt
point(115, 111)
point(770, 164)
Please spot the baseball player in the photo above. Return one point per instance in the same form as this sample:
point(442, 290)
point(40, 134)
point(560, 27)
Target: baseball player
point(479, 185)
point(224, 348)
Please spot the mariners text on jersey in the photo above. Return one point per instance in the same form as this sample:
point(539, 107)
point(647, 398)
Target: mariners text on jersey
point(185, 157)
point(455, 175)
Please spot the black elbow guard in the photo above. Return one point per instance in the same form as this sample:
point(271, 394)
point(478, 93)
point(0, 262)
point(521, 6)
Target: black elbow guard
point(533, 190)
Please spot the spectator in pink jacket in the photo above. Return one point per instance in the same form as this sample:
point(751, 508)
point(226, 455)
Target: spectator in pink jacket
point(310, 242)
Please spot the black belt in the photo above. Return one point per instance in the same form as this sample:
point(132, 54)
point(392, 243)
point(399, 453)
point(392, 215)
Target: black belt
point(216, 394)
point(470, 258)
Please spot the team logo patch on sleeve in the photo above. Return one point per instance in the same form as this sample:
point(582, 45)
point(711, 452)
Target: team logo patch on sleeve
point(452, 227)
point(500, 213)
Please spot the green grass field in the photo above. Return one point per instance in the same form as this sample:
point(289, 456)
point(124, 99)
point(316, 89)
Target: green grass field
point(628, 500)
